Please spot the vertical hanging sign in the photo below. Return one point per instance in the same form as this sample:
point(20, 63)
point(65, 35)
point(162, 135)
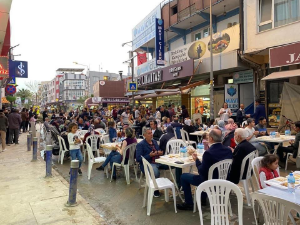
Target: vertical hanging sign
point(159, 42)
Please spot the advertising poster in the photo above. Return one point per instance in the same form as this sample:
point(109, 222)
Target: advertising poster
point(232, 97)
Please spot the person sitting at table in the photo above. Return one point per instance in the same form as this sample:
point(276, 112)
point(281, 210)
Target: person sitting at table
point(99, 124)
point(242, 149)
point(252, 137)
point(198, 125)
point(178, 126)
point(155, 131)
point(268, 169)
point(294, 145)
point(261, 127)
point(214, 154)
point(149, 149)
point(167, 123)
point(112, 131)
point(117, 155)
point(81, 124)
point(189, 128)
point(230, 126)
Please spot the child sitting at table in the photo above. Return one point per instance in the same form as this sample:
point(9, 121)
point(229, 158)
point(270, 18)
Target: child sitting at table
point(268, 170)
point(205, 141)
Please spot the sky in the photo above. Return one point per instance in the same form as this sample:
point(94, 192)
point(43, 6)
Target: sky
point(55, 33)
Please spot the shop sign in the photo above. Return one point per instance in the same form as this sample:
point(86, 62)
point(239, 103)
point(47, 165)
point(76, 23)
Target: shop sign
point(225, 41)
point(145, 30)
point(243, 77)
point(150, 78)
point(114, 100)
point(132, 86)
point(184, 69)
point(150, 66)
point(232, 97)
point(18, 69)
point(285, 55)
point(4, 69)
point(159, 42)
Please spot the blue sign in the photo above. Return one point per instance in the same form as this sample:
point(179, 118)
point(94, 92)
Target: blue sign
point(159, 42)
point(13, 81)
point(132, 86)
point(18, 69)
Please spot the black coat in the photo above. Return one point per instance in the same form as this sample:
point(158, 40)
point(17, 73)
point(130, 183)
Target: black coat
point(157, 134)
point(241, 151)
point(239, 116)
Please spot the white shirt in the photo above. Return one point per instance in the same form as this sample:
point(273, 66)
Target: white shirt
point(250, 133)
point(71, 140)
point(137, 113)
point(224, 116)
point(125, 117)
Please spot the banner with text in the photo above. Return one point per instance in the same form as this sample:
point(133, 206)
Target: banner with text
point(145, 30)
point(224, 41)
point(159, 42)
point(232, 97)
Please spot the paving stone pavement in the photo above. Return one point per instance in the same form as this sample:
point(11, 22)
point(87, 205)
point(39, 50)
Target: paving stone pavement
point(27, 197)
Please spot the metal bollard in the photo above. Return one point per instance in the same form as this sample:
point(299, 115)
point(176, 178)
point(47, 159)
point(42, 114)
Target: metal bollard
point(30, 132)
point(49, 160)
point(28, 142)
point(34, 149)
point(73, 183)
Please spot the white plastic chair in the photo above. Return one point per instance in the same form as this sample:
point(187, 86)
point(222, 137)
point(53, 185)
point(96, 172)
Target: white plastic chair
point(62, 149)
point(218, 192)
point(173, 146)
point(93, 160)
point(223, 169)
point(244, 123)
point(175, 133)
point(153, 184)
point(275, 210)
point(256, 167)
point(82, 132)
point(93, 139)
point(289, 156)
point(185, 137)
point(131, 162)
point(100, 131)
point(104, 140)
point(248, 158)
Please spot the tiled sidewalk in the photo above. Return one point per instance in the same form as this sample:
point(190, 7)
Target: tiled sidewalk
point(27, 197)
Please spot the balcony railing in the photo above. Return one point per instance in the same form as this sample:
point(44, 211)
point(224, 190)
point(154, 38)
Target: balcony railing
point(187, 12)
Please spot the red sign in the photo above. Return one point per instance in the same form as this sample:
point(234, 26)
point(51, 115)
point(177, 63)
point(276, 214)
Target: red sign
point(4, 69)
point(10, 89)
point(285, 55)
point(141, 58)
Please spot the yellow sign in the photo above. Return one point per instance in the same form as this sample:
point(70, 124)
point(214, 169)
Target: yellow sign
point(132, 86)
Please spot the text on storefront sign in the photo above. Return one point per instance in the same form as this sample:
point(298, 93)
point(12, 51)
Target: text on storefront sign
point(150, 78)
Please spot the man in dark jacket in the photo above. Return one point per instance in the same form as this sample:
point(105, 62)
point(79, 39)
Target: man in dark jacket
point(155, 131)
point(164, 113)
point(14, 123)
point(177, 126)
point(3, 128)
point(240, 114)
point(260, 111)
point(217, 152)
point(242, 149)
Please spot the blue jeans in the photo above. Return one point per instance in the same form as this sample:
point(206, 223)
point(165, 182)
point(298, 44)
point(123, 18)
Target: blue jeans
point(76, 154)
point(188, 179)
point(261, 149)
point(114, 156)
point(156, 167)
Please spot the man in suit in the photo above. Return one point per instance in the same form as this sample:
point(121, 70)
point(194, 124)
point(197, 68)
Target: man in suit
point(217, 152)
point(240, 115)
point(149, 149)
point(155, 131)
point(260, 111)
point(242, 149)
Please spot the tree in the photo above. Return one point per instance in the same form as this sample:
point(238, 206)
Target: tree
point(81, 100)
point(11, 99)
point(23, 94)
point(33, 85)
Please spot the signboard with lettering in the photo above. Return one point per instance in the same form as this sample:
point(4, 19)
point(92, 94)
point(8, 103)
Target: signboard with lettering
point(232, 97)
point(150, 65)
point(243, 77)
point(285, 55)
point(132, 86)
point(4, 69)
point(18, 69)
point(159, 42)
point(145, 30)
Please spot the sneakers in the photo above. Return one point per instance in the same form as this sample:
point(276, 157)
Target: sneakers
point(79, 172)
point(100, 168)
point(156, 194)
point(3, 150)
point(184, 206)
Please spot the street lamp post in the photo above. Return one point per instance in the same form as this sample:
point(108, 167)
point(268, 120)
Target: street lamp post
point(211, 66)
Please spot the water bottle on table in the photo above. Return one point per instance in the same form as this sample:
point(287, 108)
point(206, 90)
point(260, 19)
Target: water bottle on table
point(287, 133)
point(291, 183)
point(200, 148)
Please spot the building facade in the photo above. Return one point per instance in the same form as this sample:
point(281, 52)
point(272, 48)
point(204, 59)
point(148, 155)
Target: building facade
point(95, 76)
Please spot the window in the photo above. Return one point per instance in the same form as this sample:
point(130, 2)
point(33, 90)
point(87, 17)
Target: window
point(285, 12)
point(206, 32)
point(197, 36)
point(174, 10)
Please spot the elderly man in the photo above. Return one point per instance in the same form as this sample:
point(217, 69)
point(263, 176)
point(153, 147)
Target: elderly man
point(99, 124)
point(242, 149)
point(214, 154)
point(14, 123)
point(252, 137)
point(149, 149)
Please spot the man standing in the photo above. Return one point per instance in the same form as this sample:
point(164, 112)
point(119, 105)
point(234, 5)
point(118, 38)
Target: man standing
point(137, 113)
point(156, 132)
point(171, 112)
point(3, 129)
point(125, 116)
point(214, 154)
point(242, 149)
point(164, 113)
point(260, 111)
point(14, 123)
point(241, 116)
point(45, 114)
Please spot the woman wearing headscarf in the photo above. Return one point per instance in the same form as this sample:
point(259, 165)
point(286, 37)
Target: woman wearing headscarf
point(165, 138)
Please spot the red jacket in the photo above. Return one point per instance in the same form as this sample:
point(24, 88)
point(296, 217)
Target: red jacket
point(270, 174)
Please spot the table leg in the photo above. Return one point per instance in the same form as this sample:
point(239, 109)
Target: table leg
point(179, 194)
point(276, 148)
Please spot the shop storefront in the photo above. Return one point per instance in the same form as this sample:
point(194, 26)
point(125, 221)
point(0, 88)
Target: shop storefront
point(99, 102)
point(200, 101)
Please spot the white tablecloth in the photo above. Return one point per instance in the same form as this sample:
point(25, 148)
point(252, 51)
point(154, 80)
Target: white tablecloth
point(283, 194)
